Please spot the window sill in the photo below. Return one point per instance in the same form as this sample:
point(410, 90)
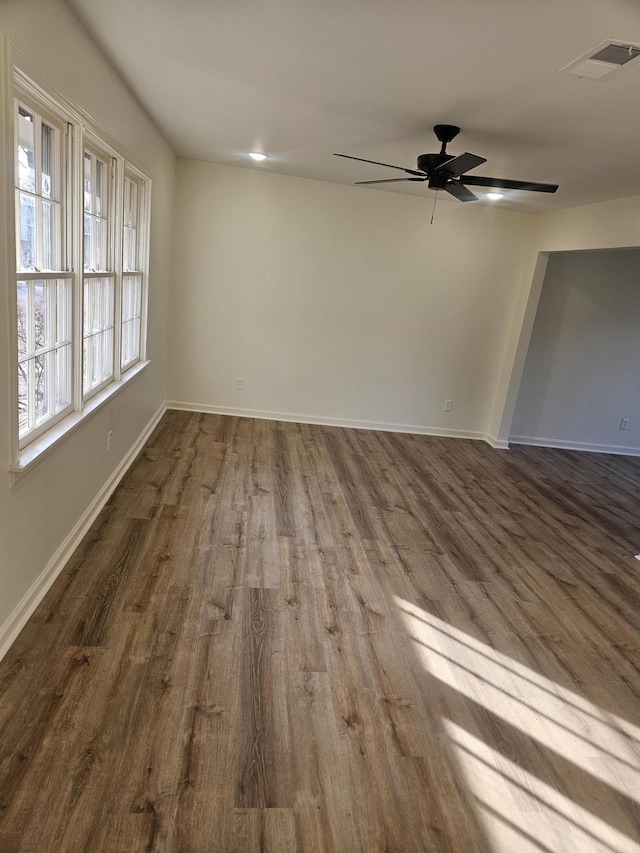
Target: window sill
point(39, 449)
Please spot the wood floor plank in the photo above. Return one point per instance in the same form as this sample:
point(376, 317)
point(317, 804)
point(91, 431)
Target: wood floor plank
point(287, 637)
point(323, 799)
point(263, 779)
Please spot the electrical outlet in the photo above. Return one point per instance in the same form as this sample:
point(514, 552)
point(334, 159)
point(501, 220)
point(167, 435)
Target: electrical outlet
point(624, 423)
point(240, 383)
point(448, 405)
point(109, 439)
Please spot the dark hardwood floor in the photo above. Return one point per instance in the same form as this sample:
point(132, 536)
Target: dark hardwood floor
point(281, 637)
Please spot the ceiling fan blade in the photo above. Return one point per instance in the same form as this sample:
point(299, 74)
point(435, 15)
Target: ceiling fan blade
point(459, 165)
point(479, 181)
point(391, 181)
point(388, 165)
point(460, 192)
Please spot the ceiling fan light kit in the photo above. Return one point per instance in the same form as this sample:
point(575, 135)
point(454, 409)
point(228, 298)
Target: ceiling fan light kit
point(447, 172)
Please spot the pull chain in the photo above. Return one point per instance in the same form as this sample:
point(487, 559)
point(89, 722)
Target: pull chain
point(434, 208)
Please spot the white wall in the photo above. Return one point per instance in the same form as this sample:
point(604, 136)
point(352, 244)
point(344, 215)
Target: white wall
point(38, 513)
point(581, 374)
point(338, 303)
point(608, 225)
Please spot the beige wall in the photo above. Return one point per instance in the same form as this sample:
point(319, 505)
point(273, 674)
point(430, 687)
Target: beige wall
point(581, 373)
point(338, 303)
point(608, 225)
point(40, 511)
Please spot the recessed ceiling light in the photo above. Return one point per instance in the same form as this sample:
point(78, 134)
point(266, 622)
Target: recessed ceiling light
point(256, 155)
point(495, 196)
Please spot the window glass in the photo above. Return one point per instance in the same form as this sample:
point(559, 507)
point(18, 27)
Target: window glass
point(44, 350)
point(47, 160)
point(26, 150)
point(27, 232)
point(87, 182)
point(131, 318)
point(98, 332)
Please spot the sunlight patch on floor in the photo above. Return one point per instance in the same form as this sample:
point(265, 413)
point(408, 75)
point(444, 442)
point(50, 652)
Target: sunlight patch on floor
point(550, 771)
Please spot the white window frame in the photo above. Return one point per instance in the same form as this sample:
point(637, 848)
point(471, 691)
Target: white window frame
point(142, 262)
point(43, 111)
point(19, 79)
point(109, 270)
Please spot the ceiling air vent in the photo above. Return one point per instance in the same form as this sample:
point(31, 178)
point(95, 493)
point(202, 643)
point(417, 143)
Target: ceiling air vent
point(604, 60)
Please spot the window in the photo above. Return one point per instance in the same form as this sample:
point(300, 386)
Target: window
point(99, 276)
point(132, 269)
point(43, 285)
point(81, 214)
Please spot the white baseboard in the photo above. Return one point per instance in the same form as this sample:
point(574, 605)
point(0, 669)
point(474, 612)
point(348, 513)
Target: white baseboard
point(559, 444)
point(498, 443)
point(289, 417)
point(34, 595)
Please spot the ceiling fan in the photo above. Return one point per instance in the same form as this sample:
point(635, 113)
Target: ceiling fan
point(446, 172)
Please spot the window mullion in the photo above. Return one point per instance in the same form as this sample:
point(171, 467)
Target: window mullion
point(66, 178)
point(88, 366)
point(76, 254)
point(52, 335)
point(94, 212)
point(117, 218)
point(39, 241)
point(31, 363)
point(37, 165)
point(31, 392)
point(93, 232)
point(98, 339)
point(50, 384)
point(143, 234)
point(31, 348)
point(31, 345)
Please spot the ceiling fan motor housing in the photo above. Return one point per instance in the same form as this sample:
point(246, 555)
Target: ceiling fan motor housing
point(438, 182)
point(428, 163)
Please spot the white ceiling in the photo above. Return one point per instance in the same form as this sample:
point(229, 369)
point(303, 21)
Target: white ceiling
point(301, 79)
